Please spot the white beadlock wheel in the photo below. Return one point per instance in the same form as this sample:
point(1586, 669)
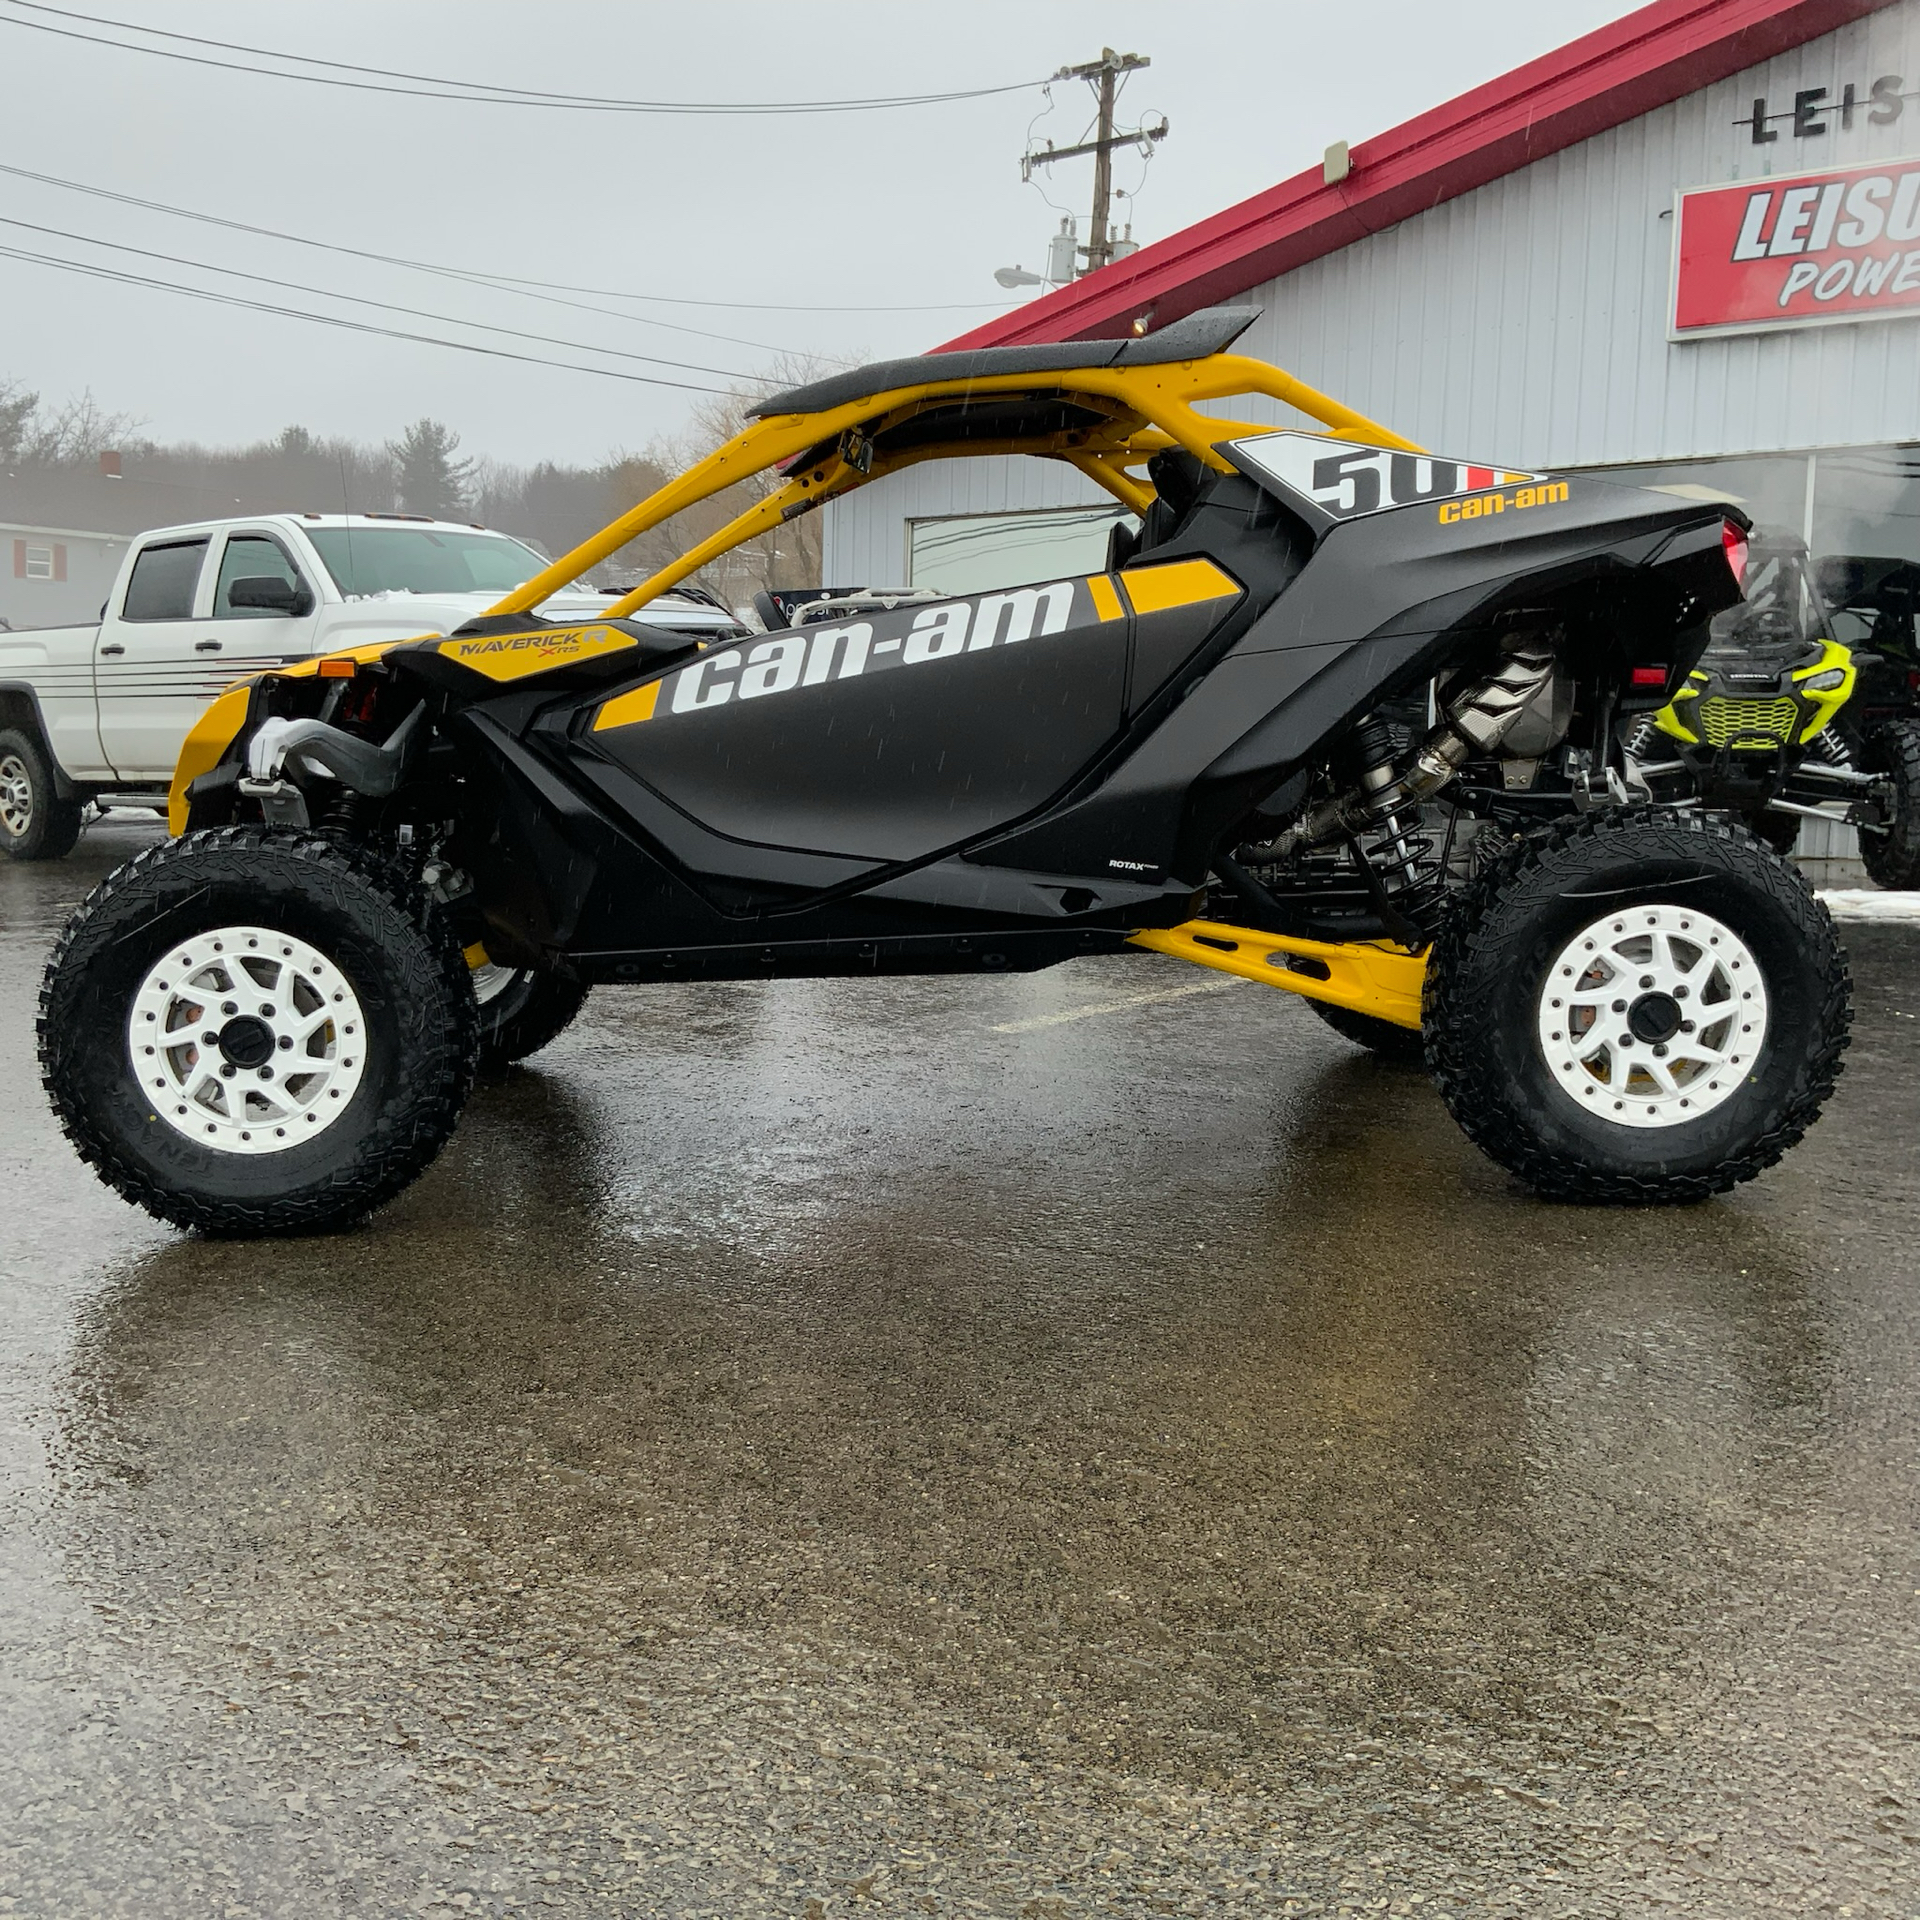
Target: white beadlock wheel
point(247, 1040)
point(1653, 1016)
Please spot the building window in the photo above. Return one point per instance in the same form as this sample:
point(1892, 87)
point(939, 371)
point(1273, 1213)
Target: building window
point(969, 553)
point(32, 561)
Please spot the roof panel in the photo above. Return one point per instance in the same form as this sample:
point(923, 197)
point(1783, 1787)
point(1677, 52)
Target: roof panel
point(1630, 67)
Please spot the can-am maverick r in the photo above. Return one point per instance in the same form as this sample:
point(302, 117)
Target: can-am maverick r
point(267, 1024)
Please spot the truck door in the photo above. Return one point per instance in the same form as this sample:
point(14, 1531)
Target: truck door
point(177, 639)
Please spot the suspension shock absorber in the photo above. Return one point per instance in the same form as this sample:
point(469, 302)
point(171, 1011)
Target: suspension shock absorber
point(1391, 842)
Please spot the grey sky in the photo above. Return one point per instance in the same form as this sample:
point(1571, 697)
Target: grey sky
point(837, 215)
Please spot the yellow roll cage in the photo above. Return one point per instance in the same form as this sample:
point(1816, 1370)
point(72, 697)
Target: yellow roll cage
point(1140, 411)
point(1144, 409)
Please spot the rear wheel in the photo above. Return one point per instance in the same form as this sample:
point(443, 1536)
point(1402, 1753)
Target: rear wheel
point(250, 1032)
point(1892, 858)
point(35, 823)
point(1402, 1045)
point(520, 1011)
point(1645, 1008)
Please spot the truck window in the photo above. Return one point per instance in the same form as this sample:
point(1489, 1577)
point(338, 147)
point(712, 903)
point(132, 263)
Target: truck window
point(369, 560)
point(163, 581)
point(251, 556)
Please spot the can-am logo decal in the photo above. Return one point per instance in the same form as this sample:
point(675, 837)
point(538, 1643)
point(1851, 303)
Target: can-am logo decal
point(848, 650)
point(1349, 481)
point(1842, 243)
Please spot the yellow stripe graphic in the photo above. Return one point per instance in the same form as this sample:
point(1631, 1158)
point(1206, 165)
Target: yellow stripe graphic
point(1106, 603)
point(628, 709)
point(1181, 584)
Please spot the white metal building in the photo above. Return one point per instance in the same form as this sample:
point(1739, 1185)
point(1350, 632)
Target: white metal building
point(1498, 280)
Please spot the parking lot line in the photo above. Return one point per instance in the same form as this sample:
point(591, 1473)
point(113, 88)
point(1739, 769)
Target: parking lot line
point(1110, 1006)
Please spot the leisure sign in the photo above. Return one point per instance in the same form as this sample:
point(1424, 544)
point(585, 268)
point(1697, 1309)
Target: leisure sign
point(1799, 249)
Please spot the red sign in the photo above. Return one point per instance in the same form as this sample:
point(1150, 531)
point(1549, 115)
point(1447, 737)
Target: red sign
point(1839, 244)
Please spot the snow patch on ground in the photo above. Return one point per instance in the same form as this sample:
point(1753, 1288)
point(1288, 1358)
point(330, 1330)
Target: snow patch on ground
point(1868, 903)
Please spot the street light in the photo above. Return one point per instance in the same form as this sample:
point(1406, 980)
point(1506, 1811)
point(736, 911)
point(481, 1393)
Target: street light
point(1011, 277)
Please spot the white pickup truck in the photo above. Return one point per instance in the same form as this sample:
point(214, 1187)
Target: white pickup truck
point(97, 714)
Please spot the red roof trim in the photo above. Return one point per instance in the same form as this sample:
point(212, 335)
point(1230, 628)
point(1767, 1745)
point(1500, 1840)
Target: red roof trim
point(1615, 74)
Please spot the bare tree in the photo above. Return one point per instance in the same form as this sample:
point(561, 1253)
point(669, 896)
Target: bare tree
point(72, 435)
point(786, 556)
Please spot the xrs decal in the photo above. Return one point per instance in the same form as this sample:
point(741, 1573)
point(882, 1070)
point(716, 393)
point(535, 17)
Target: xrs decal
point(512, 656)
point(813, 656)
point(1347, 482)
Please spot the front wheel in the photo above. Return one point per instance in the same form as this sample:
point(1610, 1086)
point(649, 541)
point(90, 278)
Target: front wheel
point(520, 1011)
point(1637, 1008)
point(249, 1031)
point(1402, 1046)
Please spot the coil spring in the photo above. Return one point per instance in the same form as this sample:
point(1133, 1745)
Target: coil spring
point(1399, 852)
point(1830, 747)
point(1644, 737)
point(345, 818)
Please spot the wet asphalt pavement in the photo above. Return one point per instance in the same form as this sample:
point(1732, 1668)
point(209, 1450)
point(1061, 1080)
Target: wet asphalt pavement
point(825, 1449)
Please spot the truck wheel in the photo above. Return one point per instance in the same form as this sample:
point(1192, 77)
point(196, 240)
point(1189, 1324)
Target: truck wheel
point(35, 823)
point(1637, 1009)
point(1892, 859)
point(249, 1031)
point(520, 1011)
point(1404, 1046)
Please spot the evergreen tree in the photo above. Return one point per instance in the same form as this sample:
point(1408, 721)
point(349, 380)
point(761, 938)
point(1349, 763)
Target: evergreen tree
point(427, 477)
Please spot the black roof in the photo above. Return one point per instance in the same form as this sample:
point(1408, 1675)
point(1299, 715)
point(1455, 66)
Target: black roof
point(1210, 331)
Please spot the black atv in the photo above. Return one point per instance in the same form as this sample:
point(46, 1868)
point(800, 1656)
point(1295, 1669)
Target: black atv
point(1763, 728)
point(1255, 715)
point(1874, 602)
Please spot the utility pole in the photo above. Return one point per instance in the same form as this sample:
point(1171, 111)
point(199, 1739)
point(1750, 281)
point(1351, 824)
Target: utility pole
point(1103, 75)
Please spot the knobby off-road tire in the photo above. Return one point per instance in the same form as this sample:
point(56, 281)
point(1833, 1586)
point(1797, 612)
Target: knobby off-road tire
point(35, 823)
point(520, 1012)
point(1403, 1046)
point(211, 1001)
point(1892, 859)
point(1558, 991)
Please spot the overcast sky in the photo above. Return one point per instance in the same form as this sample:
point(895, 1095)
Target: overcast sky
point(815, 225)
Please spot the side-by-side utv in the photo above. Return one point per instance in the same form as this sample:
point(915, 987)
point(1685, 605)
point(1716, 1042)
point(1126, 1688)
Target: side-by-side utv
point(1236, 742)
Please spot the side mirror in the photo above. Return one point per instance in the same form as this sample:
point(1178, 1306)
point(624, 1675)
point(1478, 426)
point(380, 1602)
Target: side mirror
point(268, 593)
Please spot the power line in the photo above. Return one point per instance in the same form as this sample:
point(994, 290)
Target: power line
point(485, 93)
point(524, 291)
point(506, 282)
point(334, 320)
point(386, 306)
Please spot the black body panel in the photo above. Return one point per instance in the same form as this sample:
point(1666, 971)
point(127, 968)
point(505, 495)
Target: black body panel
point(887, 739)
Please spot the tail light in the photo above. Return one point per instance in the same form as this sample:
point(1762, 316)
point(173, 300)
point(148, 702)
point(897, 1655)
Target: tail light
point(1734, 543)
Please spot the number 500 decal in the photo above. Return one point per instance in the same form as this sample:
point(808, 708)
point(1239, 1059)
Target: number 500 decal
point(1347, 481)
